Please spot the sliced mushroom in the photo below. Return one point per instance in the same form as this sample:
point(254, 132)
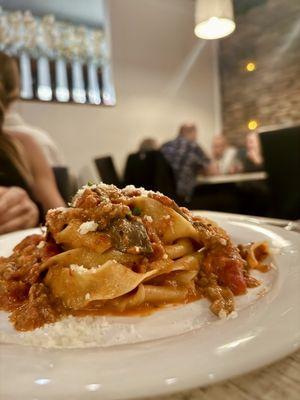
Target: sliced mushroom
point(130, 237)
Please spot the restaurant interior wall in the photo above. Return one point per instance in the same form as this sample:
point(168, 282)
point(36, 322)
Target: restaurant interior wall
point(260, 67)
point(163, 74)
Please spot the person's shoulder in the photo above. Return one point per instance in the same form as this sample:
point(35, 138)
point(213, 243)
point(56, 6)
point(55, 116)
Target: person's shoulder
point(36, 132)
point(25, 139)
point(167, 143)
point(195, 146)
point(15, 123)
point(167, 146)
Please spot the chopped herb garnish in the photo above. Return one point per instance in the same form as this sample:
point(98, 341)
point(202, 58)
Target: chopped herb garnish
point(136, 211)
point(90, 183)
point(129, 215)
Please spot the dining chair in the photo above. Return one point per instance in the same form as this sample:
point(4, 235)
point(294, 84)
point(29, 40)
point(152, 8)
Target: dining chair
point(281, 151)
point(107, 171)
point(63, 182)
point(149, 169)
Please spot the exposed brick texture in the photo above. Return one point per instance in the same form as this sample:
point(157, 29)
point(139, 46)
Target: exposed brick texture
point(268, 34)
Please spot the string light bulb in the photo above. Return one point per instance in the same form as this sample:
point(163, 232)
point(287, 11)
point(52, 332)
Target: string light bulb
point(251, 66)
point(252, 125)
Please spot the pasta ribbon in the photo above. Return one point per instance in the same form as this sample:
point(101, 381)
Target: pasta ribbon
point(167, 222)
point(78, 287)
point(180, 248)
point(255, 254)
point(71, 238)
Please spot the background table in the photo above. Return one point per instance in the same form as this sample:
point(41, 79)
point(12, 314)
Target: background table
point(279, 381)
point(232, 178)
point(246, 193)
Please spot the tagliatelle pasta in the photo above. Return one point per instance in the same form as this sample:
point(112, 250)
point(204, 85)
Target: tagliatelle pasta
point(181, 248)
point(81, 286)
point(122, 251)
point(255, 254)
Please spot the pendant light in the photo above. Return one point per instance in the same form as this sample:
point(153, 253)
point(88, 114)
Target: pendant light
point(214, 19)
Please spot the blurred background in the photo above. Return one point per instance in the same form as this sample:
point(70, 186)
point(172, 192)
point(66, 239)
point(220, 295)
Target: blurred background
point(197, 99)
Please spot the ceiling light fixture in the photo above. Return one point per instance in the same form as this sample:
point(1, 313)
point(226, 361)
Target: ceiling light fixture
point(214, 19)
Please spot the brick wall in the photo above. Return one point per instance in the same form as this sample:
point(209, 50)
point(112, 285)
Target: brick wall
point(269, 35)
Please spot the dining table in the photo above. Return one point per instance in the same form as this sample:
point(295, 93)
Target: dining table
point(232, 178)
point(278, 381)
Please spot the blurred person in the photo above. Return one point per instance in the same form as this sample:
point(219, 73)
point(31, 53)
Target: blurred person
point(250, 159)
point(13, 122)
point(148, 168)
point(17, 210)
point(26, 179)
point(148, 144)
point(186, 158)
point(223, 157)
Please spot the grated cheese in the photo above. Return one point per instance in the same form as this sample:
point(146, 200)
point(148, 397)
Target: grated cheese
point(222, 314)
point(223, 242)
point(233, 315)
point(41, 244)
point(148, 218)
point(89, 226)
point(129, 188)
point(60, 209)
point(80, 269)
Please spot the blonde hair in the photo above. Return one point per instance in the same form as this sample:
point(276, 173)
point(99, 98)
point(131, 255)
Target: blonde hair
point(9, 92)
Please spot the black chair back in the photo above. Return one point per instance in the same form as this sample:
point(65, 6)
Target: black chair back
point(107, 171)
point(150, 170)
point(63, 182)
point(281, 151)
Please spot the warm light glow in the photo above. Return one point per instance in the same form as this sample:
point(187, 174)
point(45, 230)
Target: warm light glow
point(214, 19)
point(214, 28)
point(251, 66)
point(252, 124)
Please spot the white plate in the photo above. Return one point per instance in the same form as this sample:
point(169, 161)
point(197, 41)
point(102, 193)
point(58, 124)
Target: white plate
point(176, 350)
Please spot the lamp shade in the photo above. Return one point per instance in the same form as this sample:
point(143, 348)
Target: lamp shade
point(214, 19)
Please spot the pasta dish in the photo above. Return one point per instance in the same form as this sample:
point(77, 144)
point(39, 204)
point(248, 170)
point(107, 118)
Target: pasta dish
point(120, 252)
